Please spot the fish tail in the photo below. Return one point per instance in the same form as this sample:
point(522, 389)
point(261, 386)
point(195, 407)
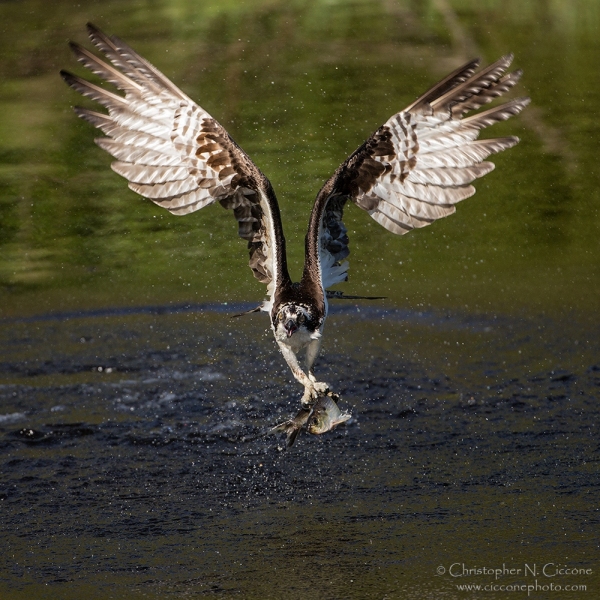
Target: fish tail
point(292, 434)
point(290, 429)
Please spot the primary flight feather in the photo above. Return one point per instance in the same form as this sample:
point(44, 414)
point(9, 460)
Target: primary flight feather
point(410, 172)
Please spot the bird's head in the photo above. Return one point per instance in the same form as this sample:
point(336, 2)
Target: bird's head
point(293, 317)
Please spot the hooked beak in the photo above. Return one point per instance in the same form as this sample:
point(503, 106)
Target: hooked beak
point(290, 327)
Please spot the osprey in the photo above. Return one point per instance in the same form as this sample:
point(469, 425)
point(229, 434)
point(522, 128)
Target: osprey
point(410, 172)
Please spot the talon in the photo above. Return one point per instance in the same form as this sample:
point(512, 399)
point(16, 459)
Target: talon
point(321, 388)
point(308, 399)
point(313, 392)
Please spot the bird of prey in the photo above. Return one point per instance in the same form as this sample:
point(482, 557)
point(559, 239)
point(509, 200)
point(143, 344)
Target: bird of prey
point(410, 172)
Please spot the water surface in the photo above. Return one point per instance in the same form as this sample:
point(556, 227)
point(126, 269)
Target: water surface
point(300, 85)
point(133, 410)
point(134, 462)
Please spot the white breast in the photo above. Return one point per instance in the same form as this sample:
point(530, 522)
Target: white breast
point(300, 339)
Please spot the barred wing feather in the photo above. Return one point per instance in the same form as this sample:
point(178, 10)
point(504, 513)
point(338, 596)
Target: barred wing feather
point(418, 165)
point(174, 153)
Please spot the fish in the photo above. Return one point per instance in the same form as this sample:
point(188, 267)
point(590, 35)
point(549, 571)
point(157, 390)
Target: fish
point(292, 427)
point(326, 416)
point(322, 417)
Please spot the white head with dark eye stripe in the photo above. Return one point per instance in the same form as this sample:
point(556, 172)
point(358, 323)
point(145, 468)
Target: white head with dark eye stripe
point(292, 318)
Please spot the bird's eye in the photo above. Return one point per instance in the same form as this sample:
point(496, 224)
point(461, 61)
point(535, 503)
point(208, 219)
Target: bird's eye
point(280, 316)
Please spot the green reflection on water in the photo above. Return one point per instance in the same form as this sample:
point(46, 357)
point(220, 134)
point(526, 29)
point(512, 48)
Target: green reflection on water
point(300, 85)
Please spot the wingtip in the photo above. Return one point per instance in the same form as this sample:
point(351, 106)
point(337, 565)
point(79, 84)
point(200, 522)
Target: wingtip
point(472, 64)
point(517, 74)
point(91, 28)
point(95, 34)
point(95, 118)
point(67, 76)
point(80, 111)
point(519, 104)
point(76, 49)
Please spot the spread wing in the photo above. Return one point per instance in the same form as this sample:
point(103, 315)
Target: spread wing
point(174, 153)
point(416, 167)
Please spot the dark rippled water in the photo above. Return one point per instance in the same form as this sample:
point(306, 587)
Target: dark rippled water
point(134, 462)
